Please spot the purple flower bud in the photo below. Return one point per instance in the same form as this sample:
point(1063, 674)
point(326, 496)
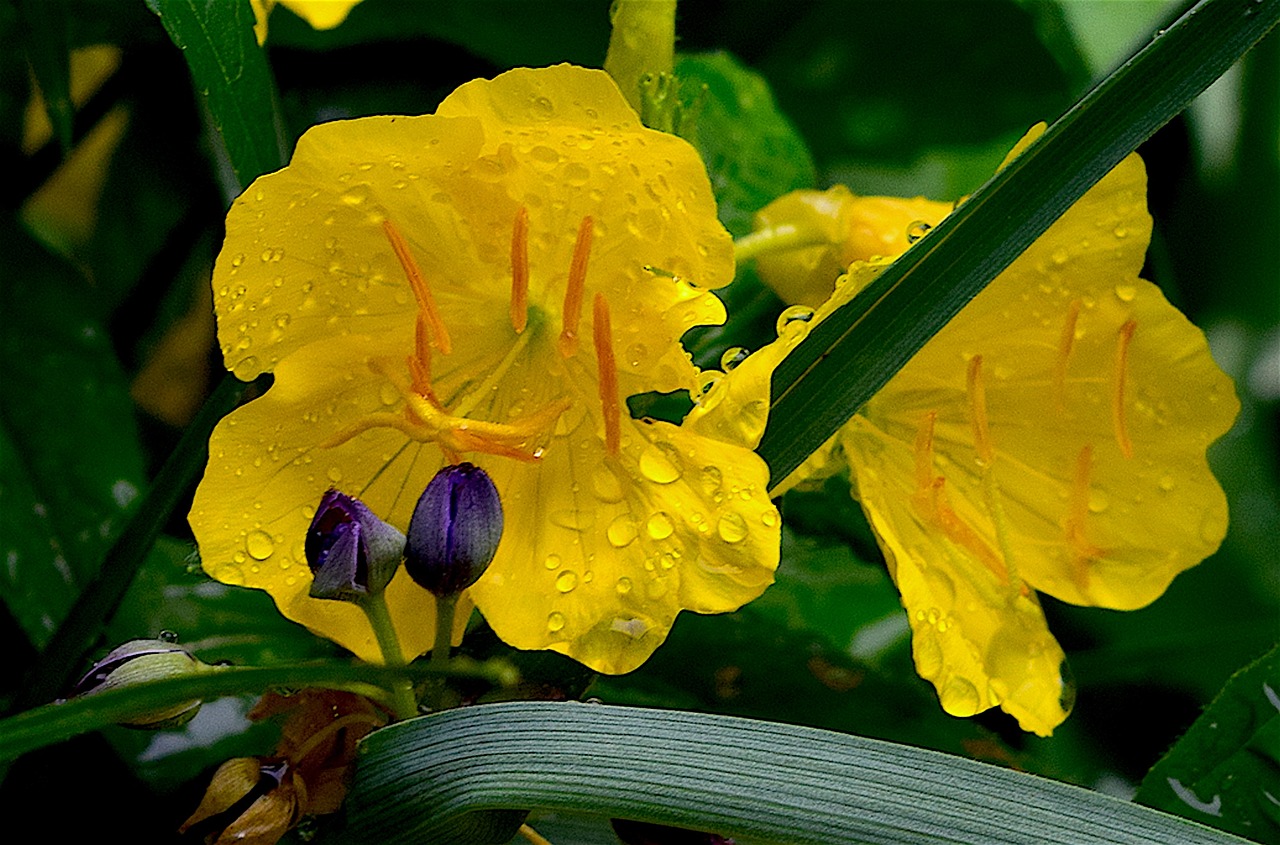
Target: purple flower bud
point(351, 552)
point(139, 661)
point(454, 531)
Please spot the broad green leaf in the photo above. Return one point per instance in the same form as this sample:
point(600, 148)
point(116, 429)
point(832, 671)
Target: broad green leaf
point(1226, 771)
point(469, 775)
point(231, 75)
point(71, 465)
point(848, 357)
point(752, 151)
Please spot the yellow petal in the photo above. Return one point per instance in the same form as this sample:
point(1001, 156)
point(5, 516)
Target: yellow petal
point(981, 642)
point(321, 14)
point(600, 554)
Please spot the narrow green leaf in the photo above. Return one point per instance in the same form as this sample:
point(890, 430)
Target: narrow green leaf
point(1226, 771)
point(852, 354)
point(231, 75)
point(468, 775)
point(62, 720)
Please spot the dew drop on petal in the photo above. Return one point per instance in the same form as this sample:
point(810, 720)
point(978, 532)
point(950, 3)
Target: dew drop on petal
point(1167, 483)
point(792, 318)
point(1126, 293)
point(623, 586)
point(656, 464)
point(555, 622)
point(605, 485)
point(732, 357)
point(1098, 501)
point(928, 654)
point(552, 561)
point(732, 528)
point(960, 697)
point(660, 526)
point(335, 474)
point(259, 545)
point(246, 369)
point(916, 230)
point(769, 518)
point(566, 581)
point(622, 531)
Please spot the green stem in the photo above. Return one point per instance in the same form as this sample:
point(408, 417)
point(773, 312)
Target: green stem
point(375, 607)
point(781, 238)
point(446, 606)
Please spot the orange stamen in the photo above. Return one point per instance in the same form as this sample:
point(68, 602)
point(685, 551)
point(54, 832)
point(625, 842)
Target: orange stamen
point(426, 303)
point(1082, 551)
point(574, 292)
point(420, 364)
point(959, 532)
point(1066, 343)
point(1118, 387)
point(602, 334)
point(520, 270)
point(977, 390)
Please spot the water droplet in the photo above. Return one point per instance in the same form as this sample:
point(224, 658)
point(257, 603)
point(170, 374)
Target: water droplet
point(711, 478)
point(335, 474)
point(543, 107)
point(259, 545)
point(660, 526)
point(576, 174)
point(1060, 257)
point(959, 697)
point(555, 622)
point(637, 353)
point(1120, 232)
point(622, 531)
point(793, 317)
point(1126, 293)
point(1098, 501)
point(659, 463)
point(916, 230)
point(282, 321)
point(732, 357)
point(707, 382)
point(928, 654)
point(566, 581)
point(552, 562)
point(732, 528)
point(1167, 483)
point(246, 369)
point(623, 586)
point(769, 518)
point(605, 485)
point(168, 636)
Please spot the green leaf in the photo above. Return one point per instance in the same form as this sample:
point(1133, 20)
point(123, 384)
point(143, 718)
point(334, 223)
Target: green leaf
point(853, 353)
point(752, 152)
point(469, 775)
point(1226, 771)
point(70, 461)
point(231, 75)
point(48, 51)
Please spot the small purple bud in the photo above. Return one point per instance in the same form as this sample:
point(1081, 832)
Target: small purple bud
point(351, 552)
point(454, 531)
point(139, 661)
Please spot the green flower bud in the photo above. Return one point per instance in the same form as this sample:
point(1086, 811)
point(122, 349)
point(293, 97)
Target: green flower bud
point(138, 661)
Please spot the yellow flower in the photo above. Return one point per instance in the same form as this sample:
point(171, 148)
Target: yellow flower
point(491, 280)
point(1051, 437)
point(321, 14)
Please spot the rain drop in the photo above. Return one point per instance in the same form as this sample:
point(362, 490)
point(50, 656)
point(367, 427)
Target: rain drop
point(732, 357)
point(960, 698)
point(916, 230)
point(566, 581)
point(732, 528)
point(623, 586)
point(660, 526)
point(793, 316)
point(555, 622)
point(622, 531)
point(656, 463)
point(769, 518)
point(335, 474)
point(259, 545)
point(1126, 293)
point(552, 561)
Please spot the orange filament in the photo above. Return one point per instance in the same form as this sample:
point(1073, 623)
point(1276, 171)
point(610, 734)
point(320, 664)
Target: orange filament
point(574, 292)
point(1066, 343)
point(1118, 387)
point(520, 270)
point(602, 334)
point(959, 532)
point(439, 335)
point(924, 452)
point(420, 364)
point(1082, 551)
point(977, 390)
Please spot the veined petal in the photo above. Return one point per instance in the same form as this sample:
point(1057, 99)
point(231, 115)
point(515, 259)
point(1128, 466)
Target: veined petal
point(980, 640)
point(600, 553)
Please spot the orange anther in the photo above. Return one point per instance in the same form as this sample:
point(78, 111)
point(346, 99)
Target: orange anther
point(1066, 343)
point(420, 364)
point(1118, 377)
point(574, 292)
point(602, 334)
point(977, 390)
point(426, 303)
point(520, 270)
